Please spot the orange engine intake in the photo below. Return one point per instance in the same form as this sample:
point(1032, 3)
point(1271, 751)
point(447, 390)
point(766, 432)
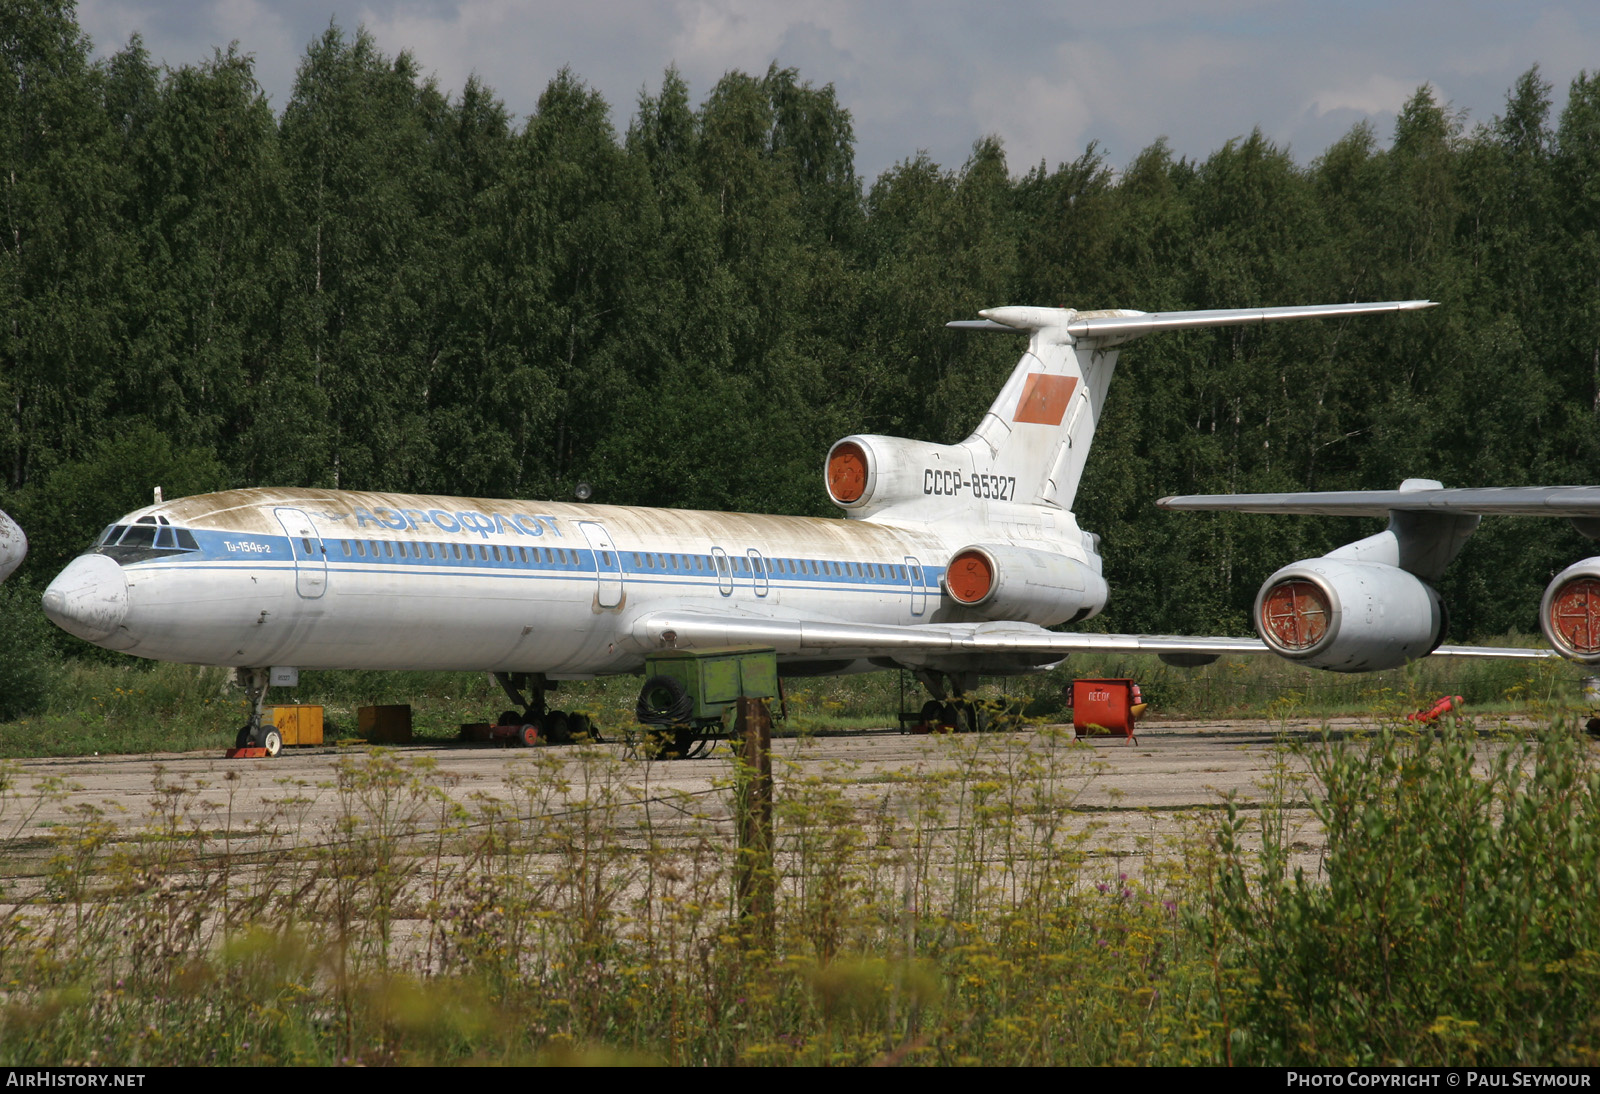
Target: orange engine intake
point(847, 472)
point(969, 577)
point(1296, 614)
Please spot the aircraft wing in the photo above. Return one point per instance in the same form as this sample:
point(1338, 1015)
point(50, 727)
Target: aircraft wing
point(1518, 501)
point(685, 629)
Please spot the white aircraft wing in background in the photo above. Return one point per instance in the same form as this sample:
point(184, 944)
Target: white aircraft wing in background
point(1507, 501)
point(1428, 524)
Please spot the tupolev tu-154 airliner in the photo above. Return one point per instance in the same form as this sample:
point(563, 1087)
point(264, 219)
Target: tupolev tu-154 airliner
point(952, 561)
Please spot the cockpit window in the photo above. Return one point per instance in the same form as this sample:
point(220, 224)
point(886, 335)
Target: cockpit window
point(147, 537)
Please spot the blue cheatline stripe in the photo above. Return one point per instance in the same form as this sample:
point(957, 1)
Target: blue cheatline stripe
point(224, 551)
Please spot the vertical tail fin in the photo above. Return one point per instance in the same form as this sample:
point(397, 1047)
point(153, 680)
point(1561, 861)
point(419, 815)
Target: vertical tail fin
point(1041, 426)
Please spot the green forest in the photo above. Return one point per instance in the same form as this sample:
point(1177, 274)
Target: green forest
point(685, 299)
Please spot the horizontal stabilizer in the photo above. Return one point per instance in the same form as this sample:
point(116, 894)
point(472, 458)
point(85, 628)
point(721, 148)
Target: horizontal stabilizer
point(1518, 501)
point(1112, 327)
point(1124, 327)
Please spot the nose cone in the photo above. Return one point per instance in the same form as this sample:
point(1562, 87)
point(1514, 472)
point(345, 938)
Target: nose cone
point(89, 599)
point(13, 546)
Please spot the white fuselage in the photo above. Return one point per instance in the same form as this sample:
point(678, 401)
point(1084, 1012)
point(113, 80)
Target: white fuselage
point(324, 579)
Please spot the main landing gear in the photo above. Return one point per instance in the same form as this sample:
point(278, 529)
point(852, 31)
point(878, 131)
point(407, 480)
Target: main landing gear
point(554, 726)
point(951, 707)
point(256, 733)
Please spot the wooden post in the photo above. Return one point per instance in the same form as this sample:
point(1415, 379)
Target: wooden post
point(757, 884)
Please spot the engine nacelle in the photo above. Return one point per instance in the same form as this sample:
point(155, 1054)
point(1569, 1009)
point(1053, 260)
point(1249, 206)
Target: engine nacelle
point(1003, 582)
point(1349, 616)
point(1569, 614)
point(865, 474)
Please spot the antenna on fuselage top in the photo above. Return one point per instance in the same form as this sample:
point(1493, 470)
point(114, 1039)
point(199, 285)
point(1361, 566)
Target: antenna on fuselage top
point(158, 496)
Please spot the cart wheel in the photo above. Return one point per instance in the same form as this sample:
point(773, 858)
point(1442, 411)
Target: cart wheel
point(529, 736)
point(670, 744)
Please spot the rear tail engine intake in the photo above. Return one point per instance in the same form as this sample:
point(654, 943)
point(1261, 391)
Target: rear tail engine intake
point(1569, 615)
point(1004, 582)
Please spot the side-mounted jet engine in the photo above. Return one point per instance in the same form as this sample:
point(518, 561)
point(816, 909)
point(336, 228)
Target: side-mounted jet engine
point(1367, 605)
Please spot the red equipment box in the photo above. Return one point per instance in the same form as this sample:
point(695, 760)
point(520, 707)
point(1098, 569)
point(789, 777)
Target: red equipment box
point(1105, 707)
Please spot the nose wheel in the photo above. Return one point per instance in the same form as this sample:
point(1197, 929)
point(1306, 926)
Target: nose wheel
point(265, 737)
point(255, 733)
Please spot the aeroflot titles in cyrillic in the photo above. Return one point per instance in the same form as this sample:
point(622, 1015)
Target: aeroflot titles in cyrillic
point(469, 520)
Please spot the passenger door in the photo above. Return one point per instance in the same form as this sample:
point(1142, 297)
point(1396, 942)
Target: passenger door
point(310, 556)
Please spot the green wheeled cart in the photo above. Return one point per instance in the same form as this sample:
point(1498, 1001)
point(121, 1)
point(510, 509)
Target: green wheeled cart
point(687, 692)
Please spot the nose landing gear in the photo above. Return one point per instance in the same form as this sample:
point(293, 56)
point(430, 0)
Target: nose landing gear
point(256, 733)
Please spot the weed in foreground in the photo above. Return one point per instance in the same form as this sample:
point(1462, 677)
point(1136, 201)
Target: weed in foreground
point(955, 911)
point(1452, 921)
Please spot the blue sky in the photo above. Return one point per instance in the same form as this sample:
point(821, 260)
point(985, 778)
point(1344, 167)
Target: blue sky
point(936, 75)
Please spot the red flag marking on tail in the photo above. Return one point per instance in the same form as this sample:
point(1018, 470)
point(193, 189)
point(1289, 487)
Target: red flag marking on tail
point(1044, 399)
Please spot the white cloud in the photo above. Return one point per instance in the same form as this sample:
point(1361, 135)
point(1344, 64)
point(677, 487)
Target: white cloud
point(1047, 76)
point(1373, 94)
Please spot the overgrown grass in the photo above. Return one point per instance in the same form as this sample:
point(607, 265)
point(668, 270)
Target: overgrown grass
point(956, 912)
point(1452, 921)
point(81, 707)
point(945, 917)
